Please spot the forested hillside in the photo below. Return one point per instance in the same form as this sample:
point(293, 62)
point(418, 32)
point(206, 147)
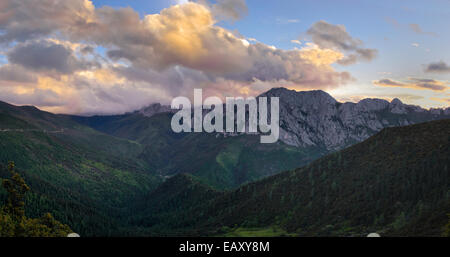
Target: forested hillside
point(395, 183)
point(83, 177)
point(14, 222)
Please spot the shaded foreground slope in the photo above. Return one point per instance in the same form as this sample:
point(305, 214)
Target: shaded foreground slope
point(83, 177)
point(395, 183)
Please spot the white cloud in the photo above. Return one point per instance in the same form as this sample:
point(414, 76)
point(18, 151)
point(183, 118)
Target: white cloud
point(146, 59)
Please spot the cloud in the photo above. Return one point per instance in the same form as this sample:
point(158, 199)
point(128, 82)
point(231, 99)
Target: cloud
point(151, 58)
point(442, 100)
point(46, 56)
point(431, 84)
point(230, 9)
point(392, 21)
point(223, 9)
point(438, 67)
point(327, 35)
point(87, 50)
point(406, 97)
point(417, 29)
point(15, 73)
point(293, 20)
point(22, 20)
point(319, 56)
point(412, 27)
point(415, 83)
point(415, 44)
point(180, 35)
point(388, 82)
point(37, 97)
point(300, 67)
point(184, 35)
point(283, 21)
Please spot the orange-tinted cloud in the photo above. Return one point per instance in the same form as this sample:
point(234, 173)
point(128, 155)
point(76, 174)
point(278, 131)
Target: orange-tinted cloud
point(150, 58)
point(336, 37)
point(415, 83)
point(442, 100)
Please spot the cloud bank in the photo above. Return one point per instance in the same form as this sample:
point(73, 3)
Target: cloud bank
point(437, 67)
point(415, 83)
point(327, 35)
point(68, 56)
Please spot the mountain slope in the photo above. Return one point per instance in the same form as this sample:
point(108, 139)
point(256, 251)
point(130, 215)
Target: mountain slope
point(78, 174)
point(176, 197)
point(395, 183)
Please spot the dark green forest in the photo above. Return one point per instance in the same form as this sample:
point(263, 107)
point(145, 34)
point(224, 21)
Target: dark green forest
point(396, 183)
point(14, 223)
point(84, 178)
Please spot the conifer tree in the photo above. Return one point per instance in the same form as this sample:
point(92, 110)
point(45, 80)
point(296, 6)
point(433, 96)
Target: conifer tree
point(16, 188)
point(14, 223)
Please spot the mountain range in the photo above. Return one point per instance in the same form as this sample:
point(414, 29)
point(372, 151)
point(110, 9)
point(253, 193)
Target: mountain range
point(97, 173)
point(312, 124)
point(314, 118)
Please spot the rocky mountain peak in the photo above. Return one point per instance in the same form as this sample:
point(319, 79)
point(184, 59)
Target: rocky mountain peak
point(291, 96)
point(396, 101)
point(396, 106)
point(372, 104)
point(314, 118)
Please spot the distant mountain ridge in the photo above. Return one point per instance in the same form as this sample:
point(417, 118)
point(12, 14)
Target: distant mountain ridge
point(315, 118)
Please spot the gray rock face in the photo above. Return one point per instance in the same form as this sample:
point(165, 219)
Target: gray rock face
point(397, 107)
point(314, 118)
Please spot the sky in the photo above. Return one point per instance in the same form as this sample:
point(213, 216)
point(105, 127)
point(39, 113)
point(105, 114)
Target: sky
point(105, 57)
